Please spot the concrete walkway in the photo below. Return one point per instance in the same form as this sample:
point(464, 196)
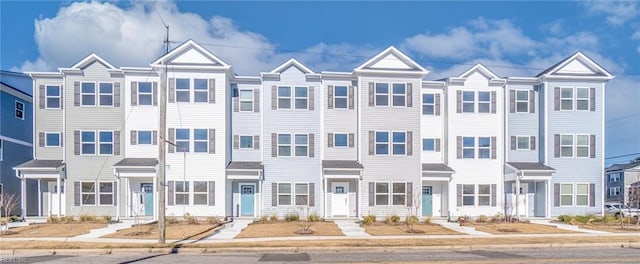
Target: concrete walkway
point(350, 228)
point(230, 230)
point(461, 229)
point(567, 227)
point(109, 229)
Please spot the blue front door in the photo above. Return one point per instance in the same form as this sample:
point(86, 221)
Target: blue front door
point(246, 200)
point(426, 201)
point(147, 196)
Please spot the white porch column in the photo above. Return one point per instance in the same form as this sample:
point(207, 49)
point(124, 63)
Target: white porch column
point(23, 197)
point(261, 202)
point(156, 205)
point(548, 199)
point(119, 198)
point(518, 195)
point(359, 199)
point(324, 197)
point(59, 196)
point(39, 199)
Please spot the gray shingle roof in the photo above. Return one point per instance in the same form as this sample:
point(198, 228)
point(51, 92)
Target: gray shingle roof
point(531, 166)
point(40, 164)
point(623, 166)
point(439, 167)
point(341, 164)
point(245, 165)
point(137, 162)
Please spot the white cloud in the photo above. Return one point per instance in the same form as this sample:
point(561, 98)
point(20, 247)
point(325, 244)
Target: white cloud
point(617, 12)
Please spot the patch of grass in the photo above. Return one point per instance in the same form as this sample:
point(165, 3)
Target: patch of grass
point(518, 228)
point(53, 230)
point(181, 230)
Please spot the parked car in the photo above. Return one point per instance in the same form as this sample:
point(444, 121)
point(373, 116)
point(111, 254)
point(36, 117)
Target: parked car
point(619, 209)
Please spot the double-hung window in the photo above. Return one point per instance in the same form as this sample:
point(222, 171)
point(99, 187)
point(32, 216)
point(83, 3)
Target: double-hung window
point(382, 193)
point(340, 140)
point(181, 193)
point(88, 142)
point(522, 142)
point(566, 194)
point(566, 98)
point(399, 94)
point(399, 143)
point(615, 177)
point(200, 90)
point(428, 144)
point(19, 110)
point(88, 94)
point(200, 140)
point(484, 147)
point(614, 191)
point(246, 142)
point(52, 139)
point(582, 146)
point(284, 97)
point(399, 193)
point(301, 97)
point(106, 94)
point(468, 147)
point(246, 100)
point(566, 146)
point(382, 94)
point(428, 104)
point(484, 194)
point(182, 140)
point(484, 102)
point(582, 194)
point(284, 193)
point(302, 145)
point(105, 193)
point(284, 145)
point(182, 90)
point(468, 101)
point(53, 97)
point(340, 97)
point(468, 195)
point(302, 193)
point(382, 143)
point(582, 99)
point(106, 142)
point(200, 193)
point(145, 93)
point(522, 101)
point(88, 193)
point(145, 137)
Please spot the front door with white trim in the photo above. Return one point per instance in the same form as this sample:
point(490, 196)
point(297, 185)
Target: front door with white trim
point(340, 199)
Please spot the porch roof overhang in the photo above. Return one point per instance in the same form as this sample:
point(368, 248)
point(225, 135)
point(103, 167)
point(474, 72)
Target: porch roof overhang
point(341, 165)
point(244, 170)
point(40, 169)
point(436, 168)
point(529, 171)
point(135, 168)
point(136, 163)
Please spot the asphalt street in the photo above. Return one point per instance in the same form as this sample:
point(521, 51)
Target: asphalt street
point(416, 255)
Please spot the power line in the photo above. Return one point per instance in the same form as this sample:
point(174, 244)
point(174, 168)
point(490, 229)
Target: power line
point(622, 156)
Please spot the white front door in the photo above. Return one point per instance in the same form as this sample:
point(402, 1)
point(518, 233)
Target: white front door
point(340, 199)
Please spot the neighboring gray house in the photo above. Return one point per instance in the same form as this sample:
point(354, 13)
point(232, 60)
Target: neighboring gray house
point(619, 179)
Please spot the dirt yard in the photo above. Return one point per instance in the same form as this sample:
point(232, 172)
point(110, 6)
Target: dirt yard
point(612, 227)
point(517, 228)
point(287, 229)
point(52, 230)
point(382, 229)
point(173, 231)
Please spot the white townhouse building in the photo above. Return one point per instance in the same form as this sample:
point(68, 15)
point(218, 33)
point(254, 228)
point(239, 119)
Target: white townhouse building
point(378, 140)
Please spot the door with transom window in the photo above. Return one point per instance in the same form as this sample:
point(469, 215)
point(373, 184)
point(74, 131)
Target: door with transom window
point(247, 198)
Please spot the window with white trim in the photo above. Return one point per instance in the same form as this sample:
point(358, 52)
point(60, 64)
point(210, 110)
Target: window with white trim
point(399, 193)
point(301, 95)
point(284, 193)
point(382, 143)
point(484, 194)
point(201, 140)
point(382, 94)
point(200, 90)
point(284, 97)
point(246, 142)
point(19, 110)
point(88, 193)
point(566, 146)
point(468, 195)
point(614, 177)
point(88, 94)
point(399, 143)
point(428, 144)
point(302, 145)
point(399, 94)
point(340, 140)
point(302, 193)
point(582, 99)
point(284, 145)
point(200, 193)
point(522, 101)
point(145, 93)
point(105, 142)
point(53, 97)
point(428, 104)
point(566, 194)
point(340, 97)
point(52, 139)
point(105, 193)
point(468, 101)
point(484, 102)
point(246, 100)
point(566, 98)
point(181, 192)
point(182, 140)
point(144, 137)
point(105, 92)
point(182, 90)
point(382, 193)
point(484, 147)
point(614, 191)
point(522, 142)
point(582, 146)
point(468, 147)
point(88, 142)
point(582, 194)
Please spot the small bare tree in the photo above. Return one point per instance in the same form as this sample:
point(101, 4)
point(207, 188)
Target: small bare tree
point(8, 202)
point(412, 218)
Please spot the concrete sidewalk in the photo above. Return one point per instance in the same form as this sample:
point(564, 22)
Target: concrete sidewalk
point(567, 227)
point(461, 229)
point(350, 228)
point(230, 230)
point(109, 229)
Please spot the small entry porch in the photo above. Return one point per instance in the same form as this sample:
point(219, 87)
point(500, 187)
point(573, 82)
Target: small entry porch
point(244, 185)
point(50, 177)
point(434, 191)
point(137, 188)
point(528, 189)
point(341, 188)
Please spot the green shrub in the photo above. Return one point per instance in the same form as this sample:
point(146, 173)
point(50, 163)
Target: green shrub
point(369, 219)
point(498, 217)
point(191, 220)
point(67, 219)
point(171, 220)
point(53, 219)
point(15, 218)
point(88, 218)
point(107, 219)
point(464, 219)
point(212, 220)
point(292, 217)
point(313, 217)
point(263, 219)
point(394, 219)
point(564, 218)
point(427, 221)
point(482, 219)
point(412, 220)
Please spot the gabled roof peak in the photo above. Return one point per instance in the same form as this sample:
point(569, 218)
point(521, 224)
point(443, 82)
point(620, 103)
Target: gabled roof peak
point(481, 68)
point(577, 65)
point(90, 59)
point(292, 62)
point(186, 47)
point(392, 59)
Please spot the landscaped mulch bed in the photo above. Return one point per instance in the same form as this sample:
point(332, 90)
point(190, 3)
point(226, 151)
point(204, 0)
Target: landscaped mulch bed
point(288, 229)
point(180, 230)
point(516, 228)
point(52, 230)
point(383, 229)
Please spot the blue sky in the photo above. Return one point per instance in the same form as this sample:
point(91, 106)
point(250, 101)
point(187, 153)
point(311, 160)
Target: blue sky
point(511, 38)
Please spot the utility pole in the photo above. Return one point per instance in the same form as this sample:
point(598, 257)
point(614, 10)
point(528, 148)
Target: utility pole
point(162, 154)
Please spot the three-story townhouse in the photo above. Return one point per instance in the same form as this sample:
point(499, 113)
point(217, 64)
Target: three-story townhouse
point(291, 134)
point(389, 121)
